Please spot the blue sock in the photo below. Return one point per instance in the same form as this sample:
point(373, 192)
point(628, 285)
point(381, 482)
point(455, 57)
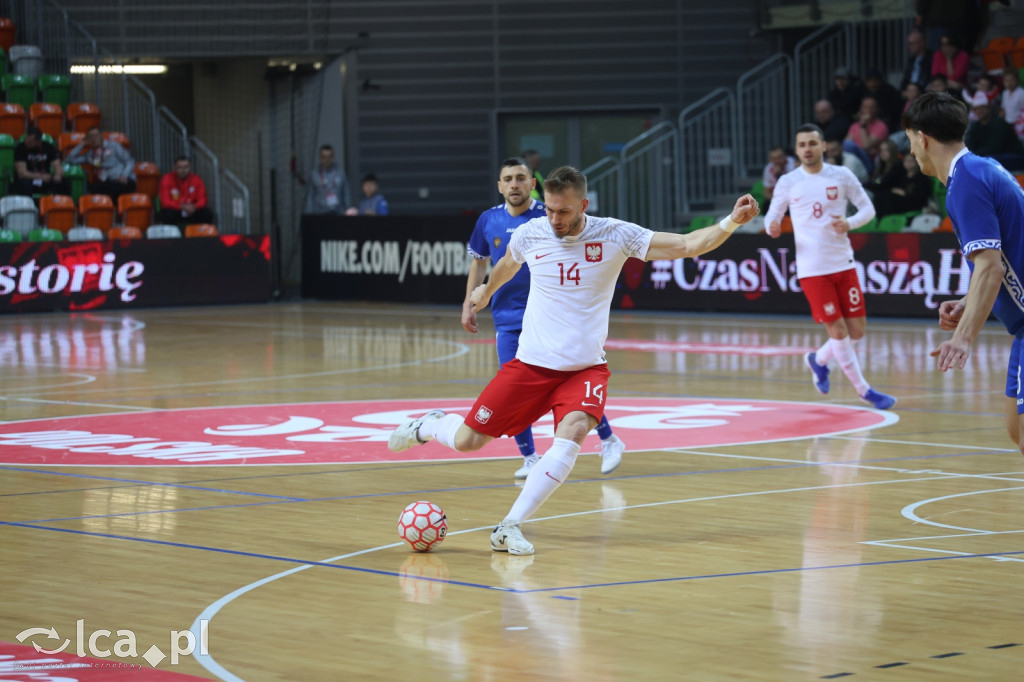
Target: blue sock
point(525, 442)
point(604, 429)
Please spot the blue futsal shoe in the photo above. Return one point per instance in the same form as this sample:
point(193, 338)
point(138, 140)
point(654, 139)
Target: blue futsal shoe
point(880, 401)
point(820, 373)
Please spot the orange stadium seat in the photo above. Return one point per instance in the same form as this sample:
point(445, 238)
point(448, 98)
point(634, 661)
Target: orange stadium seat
point(946, 225)
point(786, 224)
point(49, 118)
point(68, 141)
point(124, 232)
point(119, 138)
point(12, 120)
point(8, 34)
point(97, 210)
point(82, 116)
point(201, 230)
point(57, 212)
point(995, 53)
point(1017, 54)
point(147, 176)
point(136, 210)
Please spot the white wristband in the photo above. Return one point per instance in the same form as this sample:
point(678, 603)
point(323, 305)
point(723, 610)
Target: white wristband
point(727, 224)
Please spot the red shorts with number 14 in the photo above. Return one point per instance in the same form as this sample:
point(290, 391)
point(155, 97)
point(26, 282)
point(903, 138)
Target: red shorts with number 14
point(520, 394)
point(834, 296)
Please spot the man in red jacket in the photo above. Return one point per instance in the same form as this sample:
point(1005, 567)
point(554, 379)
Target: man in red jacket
point(183, 196)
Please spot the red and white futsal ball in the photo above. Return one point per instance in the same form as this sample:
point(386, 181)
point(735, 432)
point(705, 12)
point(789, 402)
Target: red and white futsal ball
point(423, 525)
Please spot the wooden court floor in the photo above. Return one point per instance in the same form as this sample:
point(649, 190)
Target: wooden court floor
point(756, 530)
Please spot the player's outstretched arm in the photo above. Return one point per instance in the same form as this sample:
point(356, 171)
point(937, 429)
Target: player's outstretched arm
point(504, 270)
point(668, 246)
point(477, 272)
point(981, 295)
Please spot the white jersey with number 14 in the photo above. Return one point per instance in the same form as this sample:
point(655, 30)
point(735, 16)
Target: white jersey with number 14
point(572, 280)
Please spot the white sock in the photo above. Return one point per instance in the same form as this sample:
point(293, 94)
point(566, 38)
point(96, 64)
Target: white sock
point(824, 354)
point(547, 474)
point(442, 430)
point(846, 356)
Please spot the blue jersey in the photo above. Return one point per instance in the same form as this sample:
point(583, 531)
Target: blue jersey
point(490, 238)
point(986, 205)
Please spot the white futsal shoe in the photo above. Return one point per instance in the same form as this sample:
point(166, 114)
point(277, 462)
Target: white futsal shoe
point(611, 454)
point(508, 537)
point(407, 435)
point(528, 462)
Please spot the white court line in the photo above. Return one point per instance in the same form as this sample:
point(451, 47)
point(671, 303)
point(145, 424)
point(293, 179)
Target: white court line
point(463, 349)
point(210, 664)
point(75, 403)
point(910, 511)
point(937, 445)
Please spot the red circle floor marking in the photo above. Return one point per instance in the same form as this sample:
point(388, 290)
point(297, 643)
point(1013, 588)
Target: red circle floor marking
point(357, 432)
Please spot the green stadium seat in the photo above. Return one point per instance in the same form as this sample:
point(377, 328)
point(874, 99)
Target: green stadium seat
point(939, 196)
point(9, 237)
point(893, 223)
point(6, 156)
point(76, 176)
point(699, 221)
point(55, 89)
point(870, 227)
point(3, 62)
point(757, 191)
point(45, 234)
point(19, 89)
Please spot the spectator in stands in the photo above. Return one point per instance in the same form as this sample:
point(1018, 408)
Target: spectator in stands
point(372, 203)
point(835, 155)
point(1013, 97)
point(984, 84)
point(911, 194)
point(779, 163)
point(532, 157)
point(847, 93)
point(890, 102)
point(919, 63)
point(869, 130)
point(113, 166)
point(911, 92)
point(993, 136)
point(952, 62)
point(939, 83)
point(183, 196)
point(833, 123)
point(888, 171)
point(328, 192)
point(37, 167)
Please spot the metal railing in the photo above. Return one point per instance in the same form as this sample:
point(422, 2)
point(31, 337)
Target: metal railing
point(206, 165)
point(707, 137)
point(173, 140)
point(815, 60)
point(127, 105)
point(604, 186)
point(764, 111)
point(651, 177)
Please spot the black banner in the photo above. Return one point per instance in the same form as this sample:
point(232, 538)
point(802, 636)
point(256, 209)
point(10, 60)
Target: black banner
point(386, 258)
point(134, 273)
point(902, 274)
point(424, 259)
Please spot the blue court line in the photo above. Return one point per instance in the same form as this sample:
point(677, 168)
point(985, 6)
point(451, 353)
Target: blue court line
point(373, 571)
point(283, 499)
point(768, 571)
point(146, 483)
point(219, 479)
point(256, 555)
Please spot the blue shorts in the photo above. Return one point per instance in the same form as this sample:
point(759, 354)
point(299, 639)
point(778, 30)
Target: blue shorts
point(1013, 373)
point(508, 344)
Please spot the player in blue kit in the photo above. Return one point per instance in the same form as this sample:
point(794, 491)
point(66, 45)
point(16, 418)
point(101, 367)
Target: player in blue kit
point(986, 205)
point(489, 240)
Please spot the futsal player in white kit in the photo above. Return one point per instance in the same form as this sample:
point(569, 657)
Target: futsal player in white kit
point(574, 262)
point(816, 195)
